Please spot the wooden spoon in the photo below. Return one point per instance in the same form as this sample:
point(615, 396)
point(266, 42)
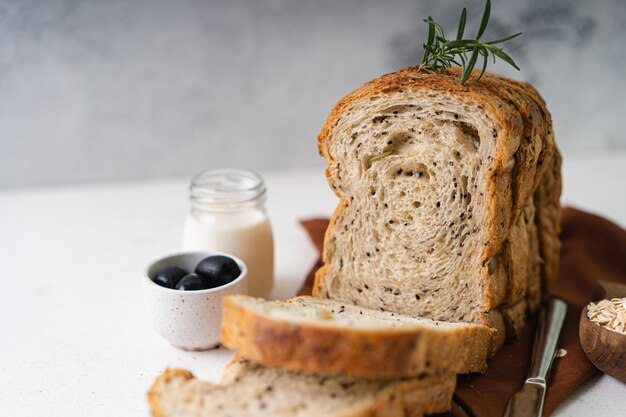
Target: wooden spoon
point(606, 349)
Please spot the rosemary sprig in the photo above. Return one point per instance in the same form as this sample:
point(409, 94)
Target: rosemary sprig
point(441, 53)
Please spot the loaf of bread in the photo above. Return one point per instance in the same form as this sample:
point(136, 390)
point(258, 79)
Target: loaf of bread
point(248, 389)
point(330, 337)
point(449, 199)
point(445, 239)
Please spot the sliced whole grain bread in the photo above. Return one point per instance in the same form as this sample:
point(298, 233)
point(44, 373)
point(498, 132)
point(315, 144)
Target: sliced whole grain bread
point(249, 389)
point(449, 199)
point(329, 337)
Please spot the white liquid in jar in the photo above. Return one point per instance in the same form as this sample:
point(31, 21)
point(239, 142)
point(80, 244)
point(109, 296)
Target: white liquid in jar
point(247, 235)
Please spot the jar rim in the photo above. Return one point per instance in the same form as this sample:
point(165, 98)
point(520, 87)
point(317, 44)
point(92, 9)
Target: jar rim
point(226, 190)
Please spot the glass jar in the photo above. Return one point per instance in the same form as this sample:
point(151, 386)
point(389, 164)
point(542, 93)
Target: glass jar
point(227, 214)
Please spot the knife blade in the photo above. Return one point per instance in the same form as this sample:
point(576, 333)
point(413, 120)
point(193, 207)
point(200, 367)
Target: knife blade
point(528, 401)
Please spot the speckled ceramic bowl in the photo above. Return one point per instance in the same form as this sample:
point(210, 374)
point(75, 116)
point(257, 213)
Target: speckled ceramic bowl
point(189, 320)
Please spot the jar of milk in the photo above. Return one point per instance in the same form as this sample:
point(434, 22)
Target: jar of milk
point(227, 214)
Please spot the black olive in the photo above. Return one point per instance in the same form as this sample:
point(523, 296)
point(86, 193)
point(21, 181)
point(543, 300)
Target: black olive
point(193, 282)
point(169, 277)
point(218, 269)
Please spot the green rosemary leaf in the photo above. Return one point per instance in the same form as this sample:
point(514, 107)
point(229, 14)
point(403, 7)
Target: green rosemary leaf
point(430, 49)
point(431, 30)
point(458, 43)
point(485, 20)
point(431, 37)
point(504, 56)
point(470, 65)
point(485, 55)
point(506, 38)
point(438, 30)
point(459, 33)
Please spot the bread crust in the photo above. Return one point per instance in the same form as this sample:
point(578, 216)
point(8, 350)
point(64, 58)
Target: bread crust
point(154, 393)
point(523, 177)
point(369, 353)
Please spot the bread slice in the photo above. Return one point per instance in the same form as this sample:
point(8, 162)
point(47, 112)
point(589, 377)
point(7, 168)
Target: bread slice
point(248, 389)
point(449, 199)
point(330, 337)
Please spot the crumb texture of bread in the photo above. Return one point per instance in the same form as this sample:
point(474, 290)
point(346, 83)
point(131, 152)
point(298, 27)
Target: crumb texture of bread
point(249, 389)
point(449, 199)
point(329, 337)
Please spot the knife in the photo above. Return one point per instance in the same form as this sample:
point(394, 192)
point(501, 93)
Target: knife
point(528, 401)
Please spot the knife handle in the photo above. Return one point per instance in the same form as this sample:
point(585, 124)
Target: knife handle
point(550, 322)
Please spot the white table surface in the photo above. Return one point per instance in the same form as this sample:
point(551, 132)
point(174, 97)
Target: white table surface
point(73, 337)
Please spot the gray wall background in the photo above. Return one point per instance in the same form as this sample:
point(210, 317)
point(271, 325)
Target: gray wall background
point(108, 90)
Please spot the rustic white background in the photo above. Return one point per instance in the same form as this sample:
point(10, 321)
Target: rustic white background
point(107, 90)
